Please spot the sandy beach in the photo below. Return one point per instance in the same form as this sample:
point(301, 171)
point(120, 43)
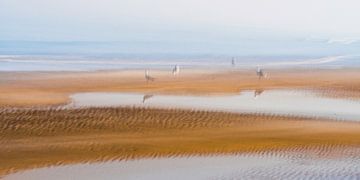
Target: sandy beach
point(53, 88)
point(38, 138)
point(51, 135)
point(180, 89)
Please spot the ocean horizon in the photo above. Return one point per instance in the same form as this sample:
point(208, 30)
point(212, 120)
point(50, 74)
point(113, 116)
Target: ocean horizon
point(123, 62)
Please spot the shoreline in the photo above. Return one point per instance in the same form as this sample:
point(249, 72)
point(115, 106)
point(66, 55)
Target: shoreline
point(54, 88)
point(41, 137)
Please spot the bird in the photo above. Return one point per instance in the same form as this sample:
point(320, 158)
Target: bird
point(233, 62)
point(176, 70)
point(148, 77)
point(260, 73)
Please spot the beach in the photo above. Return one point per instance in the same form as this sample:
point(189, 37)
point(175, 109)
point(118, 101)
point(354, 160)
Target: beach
point(39, 138)
point(40, 129)
point(54, 88)
point(180, 89)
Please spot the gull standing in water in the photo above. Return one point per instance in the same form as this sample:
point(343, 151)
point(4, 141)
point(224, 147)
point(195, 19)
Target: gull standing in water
point(176, 70)
point(148, 77)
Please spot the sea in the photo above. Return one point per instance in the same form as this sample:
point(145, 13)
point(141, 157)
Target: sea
point(137, 62)
point(242, 54)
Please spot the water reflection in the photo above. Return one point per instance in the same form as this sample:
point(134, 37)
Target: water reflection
point(258, 92)
point(146, 97)
point(280, 102)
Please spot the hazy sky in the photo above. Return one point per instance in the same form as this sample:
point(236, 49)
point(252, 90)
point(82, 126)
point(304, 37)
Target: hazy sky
point(138, 20)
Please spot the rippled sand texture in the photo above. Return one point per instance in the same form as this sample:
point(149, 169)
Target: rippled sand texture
point(311, 163)
point(36, 138)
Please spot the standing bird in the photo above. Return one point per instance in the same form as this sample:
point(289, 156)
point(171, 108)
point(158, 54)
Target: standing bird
point(260, 73)
point(148, 77)
point(233, 62)
point(176, 70)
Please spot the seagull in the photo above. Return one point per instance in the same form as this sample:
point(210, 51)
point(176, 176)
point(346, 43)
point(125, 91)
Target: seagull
point(176, 70)
point(148, 77)
point(233, 62)
point(260, 73)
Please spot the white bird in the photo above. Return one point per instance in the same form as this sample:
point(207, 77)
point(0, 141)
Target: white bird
point(176, 70)
point(148, 77)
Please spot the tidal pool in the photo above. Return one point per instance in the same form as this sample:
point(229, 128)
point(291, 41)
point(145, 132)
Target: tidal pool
point(280, 102)
point(329, 164)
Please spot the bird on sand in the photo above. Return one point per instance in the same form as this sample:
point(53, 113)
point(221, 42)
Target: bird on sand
point(148, 77)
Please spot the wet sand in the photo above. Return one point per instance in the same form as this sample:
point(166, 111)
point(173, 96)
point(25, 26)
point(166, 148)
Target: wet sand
point(33, 137)
point(38, 138)
point(54, 88)
point(316, 163)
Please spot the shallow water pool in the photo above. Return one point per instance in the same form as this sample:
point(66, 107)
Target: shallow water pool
point(280, 102)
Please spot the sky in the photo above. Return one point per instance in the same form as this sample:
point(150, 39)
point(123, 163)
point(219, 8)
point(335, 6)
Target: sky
point(181, 21)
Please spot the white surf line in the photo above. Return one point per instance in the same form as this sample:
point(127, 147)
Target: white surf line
point(318, 61)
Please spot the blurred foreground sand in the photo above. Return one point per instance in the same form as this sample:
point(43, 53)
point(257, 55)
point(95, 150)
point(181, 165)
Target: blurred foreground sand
point(36, 138)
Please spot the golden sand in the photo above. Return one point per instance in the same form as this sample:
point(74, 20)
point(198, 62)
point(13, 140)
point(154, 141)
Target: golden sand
point(36, 138)
point(53, 88)
point(31, 138)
